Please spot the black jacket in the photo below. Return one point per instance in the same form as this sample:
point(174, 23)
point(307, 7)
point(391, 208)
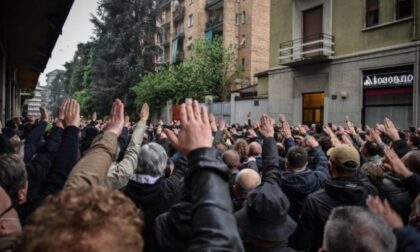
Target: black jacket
point(37, 171)
point(408, 239)
point(397, 195)
point(155, 199)
point(214, 225)
point(345, 191)
point(299, 185)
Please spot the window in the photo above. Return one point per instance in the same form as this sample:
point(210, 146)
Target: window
point(404, 8)
point(190, 20)
point(372, 12)
point(243, 41)
point(238, 18)
point(243, 17)
point(243, 64)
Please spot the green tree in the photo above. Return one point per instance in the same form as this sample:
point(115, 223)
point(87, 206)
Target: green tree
point(208, 71)
point(123, 50)
point(56, 92)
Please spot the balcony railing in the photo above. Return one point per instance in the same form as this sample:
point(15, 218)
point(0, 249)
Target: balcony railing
point(306, 50)
point(215, 23)
point(214, 4)
point(178, 13)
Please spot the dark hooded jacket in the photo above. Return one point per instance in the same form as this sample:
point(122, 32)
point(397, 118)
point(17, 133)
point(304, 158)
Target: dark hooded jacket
point(156, 198)
point(343, 191)
point(299, 185)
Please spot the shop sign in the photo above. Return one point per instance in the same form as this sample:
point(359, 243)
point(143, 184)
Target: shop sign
point(388, 80)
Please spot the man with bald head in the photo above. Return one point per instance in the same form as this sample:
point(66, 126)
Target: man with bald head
point(245, 182)
point(233, 162)
point(254, 160)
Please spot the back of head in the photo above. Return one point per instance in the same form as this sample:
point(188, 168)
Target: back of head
point(415, 141)
point(152, 160)
point(371, 149)
point(297, 158)
point(245, 182)
point(231, 159)
point(412, 160)
point(13, 176)
point(345, 160)
point(241, 146)
point(5, 145)
point(85, 219)
point(354, 228)
point(254, 149)
point(325, 143)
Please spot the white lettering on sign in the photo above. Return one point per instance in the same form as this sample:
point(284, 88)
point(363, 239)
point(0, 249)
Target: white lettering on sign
point(390, 80)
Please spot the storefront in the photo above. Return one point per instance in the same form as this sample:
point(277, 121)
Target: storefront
point(388, 93)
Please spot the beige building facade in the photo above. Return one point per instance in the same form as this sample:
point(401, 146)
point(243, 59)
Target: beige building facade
point(329, 59)
point(243, 25)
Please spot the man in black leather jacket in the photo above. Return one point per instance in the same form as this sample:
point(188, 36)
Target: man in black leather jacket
point(214, 226)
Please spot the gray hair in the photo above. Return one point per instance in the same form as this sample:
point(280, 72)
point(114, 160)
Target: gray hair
point(152, 160)
point(354, 228)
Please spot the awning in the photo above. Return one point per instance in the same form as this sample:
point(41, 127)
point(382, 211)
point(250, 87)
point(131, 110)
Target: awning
point(29, 31)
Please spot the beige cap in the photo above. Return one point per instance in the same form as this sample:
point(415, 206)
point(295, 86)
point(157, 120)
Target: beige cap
point(345, 156)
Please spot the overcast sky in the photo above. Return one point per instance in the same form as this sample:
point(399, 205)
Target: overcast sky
point(76, 29)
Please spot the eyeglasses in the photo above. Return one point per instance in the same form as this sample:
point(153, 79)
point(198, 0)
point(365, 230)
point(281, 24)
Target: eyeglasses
point(7, 210)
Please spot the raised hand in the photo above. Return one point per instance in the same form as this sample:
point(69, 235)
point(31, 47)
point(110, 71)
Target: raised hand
point(282, 118)
point(350, 126)
point(127, 121)
point(115, 123)
point(311, 142)
point(384, 210)
point(195, 131)
point(286, 131)
point(94, 116)
point(213, 124)
point(222, 124)
point(391, 130)
point(44, 114)
point(395, 163)
point(72, 113)
point(375, 136)
point(144, 112)
point(266, 126)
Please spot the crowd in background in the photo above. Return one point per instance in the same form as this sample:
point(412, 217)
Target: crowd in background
point(198, 184)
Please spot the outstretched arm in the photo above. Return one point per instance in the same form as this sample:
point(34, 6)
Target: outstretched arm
point(93, 167)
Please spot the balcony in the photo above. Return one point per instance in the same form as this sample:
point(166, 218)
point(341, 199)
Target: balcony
point(311, 49)
point(215, 24)
point(214, 4)
point(165, 4)
point(178, 13)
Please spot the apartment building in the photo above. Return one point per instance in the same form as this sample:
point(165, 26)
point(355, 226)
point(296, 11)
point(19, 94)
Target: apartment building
point(238, 22)
point(330, 58)
point(39, 99)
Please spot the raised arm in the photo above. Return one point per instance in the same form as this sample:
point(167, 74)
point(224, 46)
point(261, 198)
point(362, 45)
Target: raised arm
point(213, 222)
point(119, 173)
point(93, 167)
point(34, 137)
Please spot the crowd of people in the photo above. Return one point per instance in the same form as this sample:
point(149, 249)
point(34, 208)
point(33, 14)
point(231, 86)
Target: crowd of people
point(198, 184)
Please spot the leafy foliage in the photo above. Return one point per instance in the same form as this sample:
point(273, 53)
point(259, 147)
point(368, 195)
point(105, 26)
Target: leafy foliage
point(208, 71)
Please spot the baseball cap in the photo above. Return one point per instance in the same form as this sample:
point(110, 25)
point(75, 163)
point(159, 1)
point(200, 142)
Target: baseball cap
point(344, 156)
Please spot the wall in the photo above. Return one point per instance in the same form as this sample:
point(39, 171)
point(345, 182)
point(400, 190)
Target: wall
point(280, 27)
point(355, 37)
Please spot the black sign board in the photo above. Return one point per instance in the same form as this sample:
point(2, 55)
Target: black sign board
point(391, 79)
